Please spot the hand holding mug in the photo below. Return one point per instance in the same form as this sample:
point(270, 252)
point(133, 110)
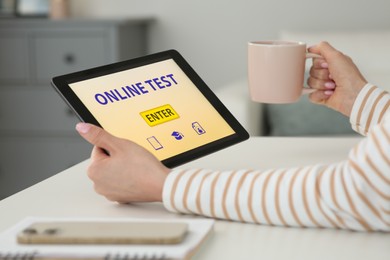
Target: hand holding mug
point(276, 72)
point(338, 70)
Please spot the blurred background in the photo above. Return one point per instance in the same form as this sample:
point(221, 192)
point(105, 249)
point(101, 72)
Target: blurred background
point(212, 35)
point(40, 39)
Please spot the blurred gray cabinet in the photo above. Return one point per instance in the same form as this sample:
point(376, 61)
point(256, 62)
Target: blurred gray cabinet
point(37, 136)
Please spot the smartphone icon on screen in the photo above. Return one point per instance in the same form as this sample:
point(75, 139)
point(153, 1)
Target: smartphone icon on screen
point(155, 143)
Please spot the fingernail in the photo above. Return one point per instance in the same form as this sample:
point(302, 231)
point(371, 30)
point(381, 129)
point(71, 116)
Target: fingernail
point(324, 65)
point(83, 128)
point(328, 92)
point(330, 85)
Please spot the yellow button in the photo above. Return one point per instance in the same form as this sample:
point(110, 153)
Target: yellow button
point(159, 115)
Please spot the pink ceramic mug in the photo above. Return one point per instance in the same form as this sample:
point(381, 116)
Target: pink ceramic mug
point(276, 70)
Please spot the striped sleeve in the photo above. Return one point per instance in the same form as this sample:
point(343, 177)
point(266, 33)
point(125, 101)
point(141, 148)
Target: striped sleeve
point(369, 109)
point(353, 194)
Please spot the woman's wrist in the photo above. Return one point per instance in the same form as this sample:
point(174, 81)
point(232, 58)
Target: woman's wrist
point(351, 96)
point(159, 187)
point(358, 103)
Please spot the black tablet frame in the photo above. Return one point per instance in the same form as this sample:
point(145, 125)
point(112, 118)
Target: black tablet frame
point(61, 85)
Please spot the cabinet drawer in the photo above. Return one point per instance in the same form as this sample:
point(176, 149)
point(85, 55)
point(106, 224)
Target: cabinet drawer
point(13, 59)
point(26, 161)
point(33, 110)
point(64, 53)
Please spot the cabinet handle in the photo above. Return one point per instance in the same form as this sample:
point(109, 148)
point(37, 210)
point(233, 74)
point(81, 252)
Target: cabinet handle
point(69, 59)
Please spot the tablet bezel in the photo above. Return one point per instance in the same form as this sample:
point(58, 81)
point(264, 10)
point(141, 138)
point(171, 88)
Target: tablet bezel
point(61, 85)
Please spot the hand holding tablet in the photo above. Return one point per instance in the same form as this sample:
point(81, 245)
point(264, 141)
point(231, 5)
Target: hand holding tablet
point(157, 101)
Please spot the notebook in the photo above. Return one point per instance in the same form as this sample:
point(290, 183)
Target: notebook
point(198, 231)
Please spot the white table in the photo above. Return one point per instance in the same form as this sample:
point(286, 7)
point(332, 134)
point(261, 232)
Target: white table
point(70, 194)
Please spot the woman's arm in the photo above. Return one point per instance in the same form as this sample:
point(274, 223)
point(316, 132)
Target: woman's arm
point(354, 194)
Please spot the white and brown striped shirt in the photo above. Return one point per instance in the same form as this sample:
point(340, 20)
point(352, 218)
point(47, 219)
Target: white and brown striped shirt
point(353, 194)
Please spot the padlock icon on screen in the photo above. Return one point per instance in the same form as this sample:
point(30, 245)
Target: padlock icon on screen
point(198, 128)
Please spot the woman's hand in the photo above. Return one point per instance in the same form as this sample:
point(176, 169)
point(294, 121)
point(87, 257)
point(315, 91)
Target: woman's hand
point(336, 78)
point(121, 170)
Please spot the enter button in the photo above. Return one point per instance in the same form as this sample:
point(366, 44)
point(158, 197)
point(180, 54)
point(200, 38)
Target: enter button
point(159, 115)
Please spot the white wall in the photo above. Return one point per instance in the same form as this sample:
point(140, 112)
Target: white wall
point(212, 34)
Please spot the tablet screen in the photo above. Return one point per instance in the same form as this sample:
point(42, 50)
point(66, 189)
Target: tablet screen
point(157, 106)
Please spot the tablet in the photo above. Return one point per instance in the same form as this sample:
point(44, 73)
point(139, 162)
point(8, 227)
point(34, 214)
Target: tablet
point(157, 101)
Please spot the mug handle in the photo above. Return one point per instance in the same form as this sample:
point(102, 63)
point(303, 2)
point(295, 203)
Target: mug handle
point(310, 55)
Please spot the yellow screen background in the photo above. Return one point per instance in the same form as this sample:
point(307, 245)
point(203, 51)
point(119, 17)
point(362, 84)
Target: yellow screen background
point(123, 118)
